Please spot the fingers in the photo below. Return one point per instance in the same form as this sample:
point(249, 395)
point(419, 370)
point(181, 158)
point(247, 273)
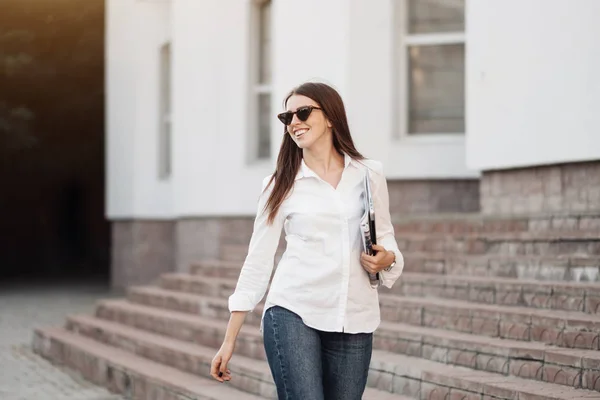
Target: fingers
point(373, 264)
point(224, 375)
point(368, 263)
point(370, 269)
point(381, 253)
point(215, 367)
point(378, 248)
point(364, 257)
point(219, 370)
point(376, 259)
point(224, 372)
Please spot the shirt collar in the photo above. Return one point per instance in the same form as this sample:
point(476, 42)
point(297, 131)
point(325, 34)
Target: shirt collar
point(305, 172)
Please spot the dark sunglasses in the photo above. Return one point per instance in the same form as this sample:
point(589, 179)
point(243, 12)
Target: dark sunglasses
point(303, 113)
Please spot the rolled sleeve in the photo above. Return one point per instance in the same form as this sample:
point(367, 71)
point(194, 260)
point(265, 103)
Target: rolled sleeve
point(258, 265)
point(383, 224)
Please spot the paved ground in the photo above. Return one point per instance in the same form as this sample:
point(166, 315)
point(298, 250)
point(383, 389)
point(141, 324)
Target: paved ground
point(23, 374)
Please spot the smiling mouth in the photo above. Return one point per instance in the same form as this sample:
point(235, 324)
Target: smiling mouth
point(299, 133)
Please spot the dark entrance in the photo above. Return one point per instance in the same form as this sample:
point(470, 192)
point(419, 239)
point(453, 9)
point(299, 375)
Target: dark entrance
point(52, 223)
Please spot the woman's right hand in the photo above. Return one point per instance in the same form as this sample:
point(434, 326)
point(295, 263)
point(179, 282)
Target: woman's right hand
point(218, 367)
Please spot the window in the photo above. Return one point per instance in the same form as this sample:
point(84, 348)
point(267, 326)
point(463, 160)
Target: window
point(164, 139)
point(260, 100)
point(432, 66)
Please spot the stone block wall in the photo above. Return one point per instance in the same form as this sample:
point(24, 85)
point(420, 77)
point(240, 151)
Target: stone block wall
point(144, 249)
point(202, 237)
point(573, 187)
point(409, 197)
point(141, 250)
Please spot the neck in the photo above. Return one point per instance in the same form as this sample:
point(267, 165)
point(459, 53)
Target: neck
point(323, 158)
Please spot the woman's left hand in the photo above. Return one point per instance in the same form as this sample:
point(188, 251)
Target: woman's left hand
point(380, 261)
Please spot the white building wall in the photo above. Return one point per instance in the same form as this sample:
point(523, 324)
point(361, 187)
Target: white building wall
point(347, 43)
point(135, 33)
point(316, 49)
point(153, 26)
point(532, 84)
point(210, 110)
point(120, 106)
point(373, 106)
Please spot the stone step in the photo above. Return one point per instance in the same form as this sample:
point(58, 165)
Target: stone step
point(123, 372)
point(182, 326)
point(249, 375)
point(476, 222)
point(390, 371)
point(554, 295)
point(508, 244)
point(199, 284)
point(206, 306)
point(508, 357)
point(583, 296)
point(237, 252)
point(217, 268)
point(530, 360)
point(463, 223)
point(567, 243)
point(425, 379)
point(541, 268)
point(560, 328)
point(376, 394)
point(233, 256)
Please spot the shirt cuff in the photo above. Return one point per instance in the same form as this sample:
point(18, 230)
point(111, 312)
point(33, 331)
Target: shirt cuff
point(388, 278)
point(241, 302)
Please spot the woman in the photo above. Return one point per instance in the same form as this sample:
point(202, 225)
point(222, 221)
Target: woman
point(321, 311)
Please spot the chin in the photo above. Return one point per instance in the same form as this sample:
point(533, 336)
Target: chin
point(306, 142)
point(302, 144)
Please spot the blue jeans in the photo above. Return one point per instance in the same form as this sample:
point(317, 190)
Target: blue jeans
point(308, 364)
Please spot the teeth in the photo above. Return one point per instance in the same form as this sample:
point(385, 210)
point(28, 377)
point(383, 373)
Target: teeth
point(300, 132)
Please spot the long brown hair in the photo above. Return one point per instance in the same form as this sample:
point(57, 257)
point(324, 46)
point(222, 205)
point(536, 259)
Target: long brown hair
point(290, 155)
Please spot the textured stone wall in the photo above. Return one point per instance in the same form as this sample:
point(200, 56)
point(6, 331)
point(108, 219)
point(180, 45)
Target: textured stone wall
point(573, 187)
point(433, 196)
point(201, 238)
point(141, 251)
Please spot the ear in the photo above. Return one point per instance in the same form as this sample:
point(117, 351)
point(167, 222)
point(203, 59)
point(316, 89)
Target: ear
point(329, 124)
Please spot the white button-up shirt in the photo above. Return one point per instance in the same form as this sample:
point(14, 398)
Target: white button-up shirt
point(319, 276)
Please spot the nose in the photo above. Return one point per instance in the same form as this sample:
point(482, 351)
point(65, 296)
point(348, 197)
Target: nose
point(295, 120)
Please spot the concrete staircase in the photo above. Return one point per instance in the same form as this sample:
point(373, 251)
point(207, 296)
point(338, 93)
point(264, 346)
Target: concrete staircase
point(488, 308)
